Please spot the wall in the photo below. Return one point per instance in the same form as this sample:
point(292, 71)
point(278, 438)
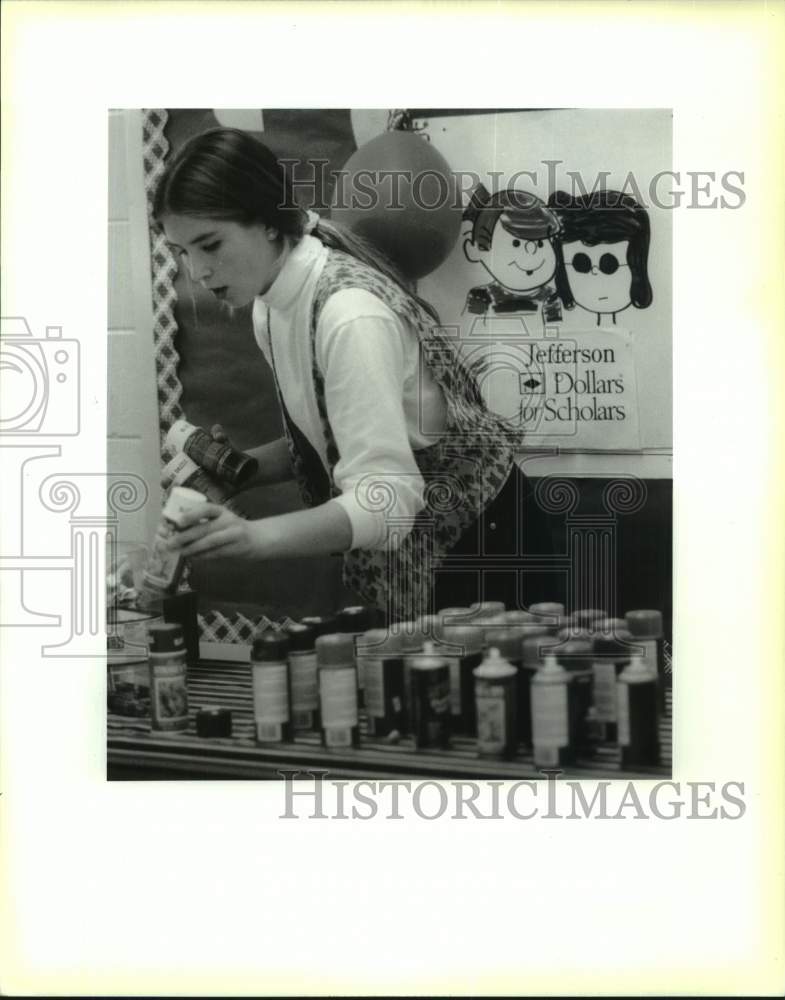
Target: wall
point(132, 411)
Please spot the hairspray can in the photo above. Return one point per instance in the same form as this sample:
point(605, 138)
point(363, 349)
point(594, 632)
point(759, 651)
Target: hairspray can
point(612, 652)
point(183, 471)
point(338, 690)
point(354, 621)
point(575, 655)
point(550, 715)
point(215, 457)
point(637, 715)
point(381, 655)
point(646, 628)
point(270, 678)
point(164, 568)
point(462, 647)
point(549, 614)
point(430, 680)
point(168, 669)
point(495, 691)
point(303, 677)
point(534, 645)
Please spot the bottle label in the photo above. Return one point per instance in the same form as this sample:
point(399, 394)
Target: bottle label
point(455, 684)
point(169, 694)
point(605, 690)
point(339, 697)
point(549, 715)
point(623, 713)
point(360, 673)
point(270, 699)
point(305, 693)
point(337, 737)
point(491, 718)
point(302, 720)
point(374, 687)
point(649, 654)
point(269, 732)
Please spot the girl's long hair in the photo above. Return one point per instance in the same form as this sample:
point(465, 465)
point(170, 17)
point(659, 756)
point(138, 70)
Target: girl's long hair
point(227, 174)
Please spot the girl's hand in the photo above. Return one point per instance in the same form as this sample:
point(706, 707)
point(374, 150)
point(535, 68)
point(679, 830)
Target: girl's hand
point(210, 530)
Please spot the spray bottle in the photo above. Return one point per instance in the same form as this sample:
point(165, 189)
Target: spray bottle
point(495, 682)
point(550, 715)
point(637, 715)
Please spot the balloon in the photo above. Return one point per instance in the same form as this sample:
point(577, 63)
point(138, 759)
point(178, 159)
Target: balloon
point(400, 193)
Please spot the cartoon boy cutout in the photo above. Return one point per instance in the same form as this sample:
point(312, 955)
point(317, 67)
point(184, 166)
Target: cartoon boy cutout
point(605, 245)
point(514, 237)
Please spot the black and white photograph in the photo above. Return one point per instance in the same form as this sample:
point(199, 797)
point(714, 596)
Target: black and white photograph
point(391, 550)
point(413, 400)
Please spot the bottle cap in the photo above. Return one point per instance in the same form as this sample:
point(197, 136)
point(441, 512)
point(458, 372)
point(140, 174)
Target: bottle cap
point(181, 499)
point(428, 659)
point(455, 616)
point(508, 642)
point(411, 636)
point(321, 624)
point(573, 631)
point(270, 647)
point(335, 650)
point(619, 644)
point(587, 617)
point(213, 722)
point(521, 618)
point(575, 654)
point(494, 666)
point(355, 619)
point(534, 648)
point(470, 638)
point(610, 626)
point(430, 625)
point(646, 624)
point(482, 609)
point(379, 642)
point(166, 637)
point(551, 671)
point(548, 609)
point(301, 637)
point(637, 672)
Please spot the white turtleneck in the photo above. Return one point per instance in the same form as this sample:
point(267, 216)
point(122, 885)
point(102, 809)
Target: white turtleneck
point(381, 401)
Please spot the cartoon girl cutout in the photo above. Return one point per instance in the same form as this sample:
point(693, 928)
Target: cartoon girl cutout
point(514, 237)
point(605, 244)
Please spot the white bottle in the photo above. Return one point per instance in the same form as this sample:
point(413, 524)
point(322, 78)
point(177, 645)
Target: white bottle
point(550, 714)
point(163, 571)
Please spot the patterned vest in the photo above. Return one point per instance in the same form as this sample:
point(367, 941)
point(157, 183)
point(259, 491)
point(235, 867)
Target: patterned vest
point(462, 472)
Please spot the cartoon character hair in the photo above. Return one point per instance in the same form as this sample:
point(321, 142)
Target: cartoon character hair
point(521, 214)
point(605, 217)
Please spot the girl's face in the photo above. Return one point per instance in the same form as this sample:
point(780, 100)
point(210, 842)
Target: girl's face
point(519, 264)
point(235, 262)
point(599, 276)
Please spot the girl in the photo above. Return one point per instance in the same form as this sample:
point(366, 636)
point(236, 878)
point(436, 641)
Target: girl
point(399, 462)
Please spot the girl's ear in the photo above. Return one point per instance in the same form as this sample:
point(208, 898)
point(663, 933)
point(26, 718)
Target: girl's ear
point(468, 248)
point(272, 234)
